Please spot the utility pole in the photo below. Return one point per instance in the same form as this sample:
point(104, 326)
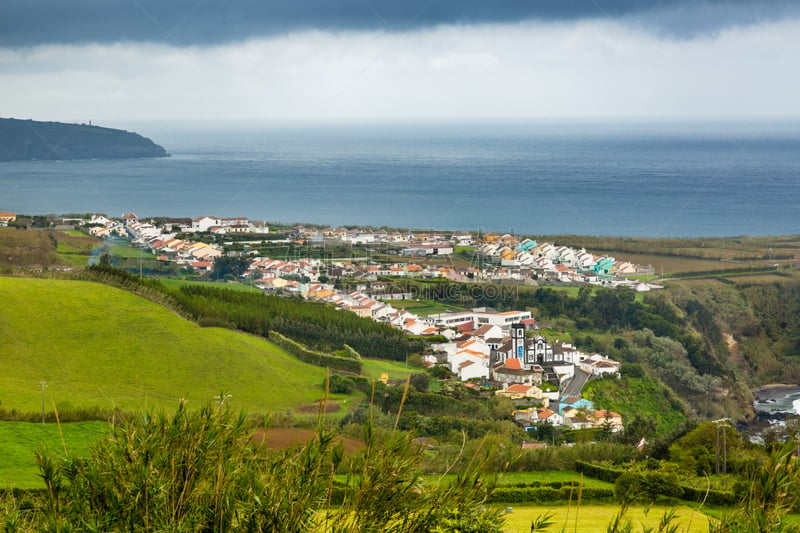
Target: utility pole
point(725, 449)
point(722, 422)
point(43, 385)
point(716, 449)
point(223, 398)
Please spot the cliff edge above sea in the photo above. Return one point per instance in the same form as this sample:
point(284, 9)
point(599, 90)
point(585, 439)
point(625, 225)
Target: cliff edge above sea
point(22, 140)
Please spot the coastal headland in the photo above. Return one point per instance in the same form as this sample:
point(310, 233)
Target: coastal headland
point(22, 140)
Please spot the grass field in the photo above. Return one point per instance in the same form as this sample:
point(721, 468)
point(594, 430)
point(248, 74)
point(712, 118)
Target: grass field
point(373, 368)
point(129, 252)
point(423, 307)
point(175, 283)
point(19, 441)
point(73, 233)
point(100, 346)
point(595, 518)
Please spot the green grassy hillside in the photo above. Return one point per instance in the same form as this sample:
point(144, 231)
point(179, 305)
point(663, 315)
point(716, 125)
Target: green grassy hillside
point(637, 396)
point(99, 346)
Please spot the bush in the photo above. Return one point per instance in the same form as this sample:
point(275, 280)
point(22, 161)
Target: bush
point(604, 473)
point(649, 486)
point(339, 384)
point(199, 471)
point(631, 370)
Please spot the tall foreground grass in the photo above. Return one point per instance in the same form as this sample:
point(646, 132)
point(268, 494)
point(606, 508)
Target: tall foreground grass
point(198, 471)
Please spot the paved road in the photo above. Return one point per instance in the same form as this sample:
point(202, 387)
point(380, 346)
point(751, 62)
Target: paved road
point(576, 383)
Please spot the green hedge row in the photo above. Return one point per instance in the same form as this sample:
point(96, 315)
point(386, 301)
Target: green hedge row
point(548, 494)
point(551, 484)
point(710, 496)
point(313, 357)
point(656, 484)
point(354, 354)
point(604, 473)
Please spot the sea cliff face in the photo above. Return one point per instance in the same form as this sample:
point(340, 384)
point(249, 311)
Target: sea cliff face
point(31, 140)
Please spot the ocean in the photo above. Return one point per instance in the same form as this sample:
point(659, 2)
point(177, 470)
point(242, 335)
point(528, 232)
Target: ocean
point(627, 179)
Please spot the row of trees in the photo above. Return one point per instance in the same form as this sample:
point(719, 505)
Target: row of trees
point(318, 326)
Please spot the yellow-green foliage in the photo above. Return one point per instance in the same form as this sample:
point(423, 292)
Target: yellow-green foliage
point(197, 471)
point(100, 346)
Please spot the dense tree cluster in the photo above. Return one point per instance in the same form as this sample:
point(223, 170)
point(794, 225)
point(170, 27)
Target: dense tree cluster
point(318, 326)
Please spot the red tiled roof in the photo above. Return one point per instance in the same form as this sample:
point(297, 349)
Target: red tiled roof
point(519, 388)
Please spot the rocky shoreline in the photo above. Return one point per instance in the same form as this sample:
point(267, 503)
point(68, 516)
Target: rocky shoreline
point(774, 391)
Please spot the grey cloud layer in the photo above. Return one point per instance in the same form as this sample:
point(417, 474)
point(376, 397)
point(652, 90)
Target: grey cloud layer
point(203, 22)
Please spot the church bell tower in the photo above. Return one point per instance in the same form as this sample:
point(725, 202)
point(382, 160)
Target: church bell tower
point(518, 341)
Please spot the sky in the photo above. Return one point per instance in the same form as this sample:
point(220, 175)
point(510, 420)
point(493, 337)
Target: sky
point(363, 60)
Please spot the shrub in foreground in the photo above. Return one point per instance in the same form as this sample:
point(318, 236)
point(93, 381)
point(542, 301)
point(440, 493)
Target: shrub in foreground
point(198, 471)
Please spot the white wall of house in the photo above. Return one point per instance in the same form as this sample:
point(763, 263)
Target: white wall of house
point(204, 223)
point(475, 370)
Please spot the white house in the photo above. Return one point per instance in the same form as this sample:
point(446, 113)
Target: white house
point(549, 416)
point(202, 224)
point(471, 369)
point(566, 255)
point(99, 219)
point(488, 331)
point(502, 320)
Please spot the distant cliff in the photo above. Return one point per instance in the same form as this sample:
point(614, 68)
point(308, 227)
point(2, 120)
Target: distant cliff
point(30, 139)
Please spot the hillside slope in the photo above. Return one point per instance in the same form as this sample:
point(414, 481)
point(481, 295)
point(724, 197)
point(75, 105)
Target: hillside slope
point(95, 345)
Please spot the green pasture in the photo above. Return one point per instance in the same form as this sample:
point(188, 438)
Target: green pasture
point(98, 346)
point(550, 476)
point(129, 252)
point(423, 307)
point(177, 283)
point(596, 518)
point(74, 233)
point(373, 368)
point(20, 440)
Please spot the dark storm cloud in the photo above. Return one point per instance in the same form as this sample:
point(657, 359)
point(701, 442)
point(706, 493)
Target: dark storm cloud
point(203, 22)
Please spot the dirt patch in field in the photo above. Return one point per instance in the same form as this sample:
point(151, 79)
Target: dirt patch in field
point(313, 408)
point(733, 349)
point(281, 438)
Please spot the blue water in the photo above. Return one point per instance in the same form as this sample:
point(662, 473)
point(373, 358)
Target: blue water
point(601, 179)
